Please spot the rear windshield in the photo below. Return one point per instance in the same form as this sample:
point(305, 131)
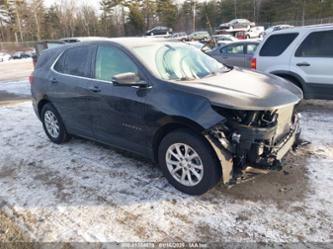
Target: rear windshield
point(275, 45)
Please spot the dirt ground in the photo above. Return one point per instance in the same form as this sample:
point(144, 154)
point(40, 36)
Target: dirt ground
point(9, 231)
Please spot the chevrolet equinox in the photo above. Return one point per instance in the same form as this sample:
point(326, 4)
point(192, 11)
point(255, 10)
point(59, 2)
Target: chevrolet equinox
point(200, 120)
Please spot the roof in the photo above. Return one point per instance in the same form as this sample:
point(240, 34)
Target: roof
point(244, 41)
point(310, 27)
point(128, 42)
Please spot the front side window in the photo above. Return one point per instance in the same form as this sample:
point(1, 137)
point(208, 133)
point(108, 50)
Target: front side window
point(75, 61)
point(275, 45)
point(111, 61)
point(178, 61)
point(317, 44)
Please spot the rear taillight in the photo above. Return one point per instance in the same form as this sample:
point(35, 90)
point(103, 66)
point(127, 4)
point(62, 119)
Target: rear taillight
point(253, 63)
point(31, 77)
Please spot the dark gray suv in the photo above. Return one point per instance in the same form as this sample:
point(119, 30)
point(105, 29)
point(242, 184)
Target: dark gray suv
point(200, 120)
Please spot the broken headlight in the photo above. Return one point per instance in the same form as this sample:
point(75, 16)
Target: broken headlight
point(249, 118)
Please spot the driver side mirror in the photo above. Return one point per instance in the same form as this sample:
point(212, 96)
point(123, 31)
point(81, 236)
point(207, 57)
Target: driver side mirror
point(128, 79)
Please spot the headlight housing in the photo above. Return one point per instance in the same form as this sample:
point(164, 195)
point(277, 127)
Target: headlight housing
point(249, 118)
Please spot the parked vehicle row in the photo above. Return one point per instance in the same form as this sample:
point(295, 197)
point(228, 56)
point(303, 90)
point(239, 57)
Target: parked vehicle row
point(302, 55)
point(16, 55)
point(237, 29)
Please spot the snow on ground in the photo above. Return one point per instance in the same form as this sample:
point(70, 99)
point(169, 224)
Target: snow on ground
point(18, 61)
point(83, 191)
point(16, 87)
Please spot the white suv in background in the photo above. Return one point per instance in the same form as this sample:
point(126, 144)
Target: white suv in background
point(302, 55)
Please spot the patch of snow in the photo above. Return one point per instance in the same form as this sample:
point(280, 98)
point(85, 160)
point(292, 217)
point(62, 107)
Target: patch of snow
point(18, 61)
point(16, 87)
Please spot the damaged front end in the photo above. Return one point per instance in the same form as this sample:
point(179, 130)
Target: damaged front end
point(253, 142)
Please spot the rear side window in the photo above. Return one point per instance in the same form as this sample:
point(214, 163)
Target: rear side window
point(233, 49)
point(75, 61)
point(275, 45)
point(60, 65)
point(317, 44)
point(251, 48)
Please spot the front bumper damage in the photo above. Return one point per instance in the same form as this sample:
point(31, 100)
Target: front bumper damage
point(249, 151)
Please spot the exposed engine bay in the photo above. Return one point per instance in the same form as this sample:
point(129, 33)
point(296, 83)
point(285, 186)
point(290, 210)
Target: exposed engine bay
point(254, 141)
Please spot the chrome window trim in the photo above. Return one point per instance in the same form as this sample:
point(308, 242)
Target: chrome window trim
point(74, 76)
point(81, 77)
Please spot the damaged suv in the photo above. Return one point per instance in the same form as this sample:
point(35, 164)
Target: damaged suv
point(198, 119)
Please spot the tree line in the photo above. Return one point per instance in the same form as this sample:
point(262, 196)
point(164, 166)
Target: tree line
point(30, 20)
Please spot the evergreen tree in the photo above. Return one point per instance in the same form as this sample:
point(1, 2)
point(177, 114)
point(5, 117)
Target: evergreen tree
point(166, 11)
point(136, 18)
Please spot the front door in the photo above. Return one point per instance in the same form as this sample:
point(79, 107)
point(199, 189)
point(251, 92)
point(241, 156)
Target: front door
point(118, 111)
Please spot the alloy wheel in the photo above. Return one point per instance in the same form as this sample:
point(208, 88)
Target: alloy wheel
point(184, 164)
point(51, 124)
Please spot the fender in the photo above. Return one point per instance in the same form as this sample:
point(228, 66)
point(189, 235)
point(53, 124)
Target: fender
point(163, 108)
point(292, 74)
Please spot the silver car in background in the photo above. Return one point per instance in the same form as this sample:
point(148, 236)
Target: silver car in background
point(235, 54)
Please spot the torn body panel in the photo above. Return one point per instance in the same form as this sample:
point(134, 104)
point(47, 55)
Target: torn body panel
point(254, 143)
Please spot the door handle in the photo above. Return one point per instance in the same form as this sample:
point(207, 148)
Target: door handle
point(94, 89)
point(54, 81)
point(303, 64)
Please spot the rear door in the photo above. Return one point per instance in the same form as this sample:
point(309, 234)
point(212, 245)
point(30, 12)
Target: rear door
point(313, 61)
point(233, 55)
point(69, 89)
point(118, 111)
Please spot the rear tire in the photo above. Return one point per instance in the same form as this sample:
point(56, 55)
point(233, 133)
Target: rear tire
point(188, 162)
point(53, 125)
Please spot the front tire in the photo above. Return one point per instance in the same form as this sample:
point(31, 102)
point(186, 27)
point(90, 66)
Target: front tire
point(188, 162)
point(53, 125)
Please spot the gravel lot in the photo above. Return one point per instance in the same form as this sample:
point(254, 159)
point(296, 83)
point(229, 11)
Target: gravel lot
point(83, 191)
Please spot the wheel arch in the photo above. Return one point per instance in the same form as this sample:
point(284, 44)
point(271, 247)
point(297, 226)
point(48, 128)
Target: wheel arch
point(170, 126)
point(292, 77)
point(41, 104)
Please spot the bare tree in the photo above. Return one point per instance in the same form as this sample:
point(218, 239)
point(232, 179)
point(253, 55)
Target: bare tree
point(37, 12)
point(16, 7)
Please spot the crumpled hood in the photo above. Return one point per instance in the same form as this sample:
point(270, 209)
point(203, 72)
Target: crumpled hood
point(246, 90)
